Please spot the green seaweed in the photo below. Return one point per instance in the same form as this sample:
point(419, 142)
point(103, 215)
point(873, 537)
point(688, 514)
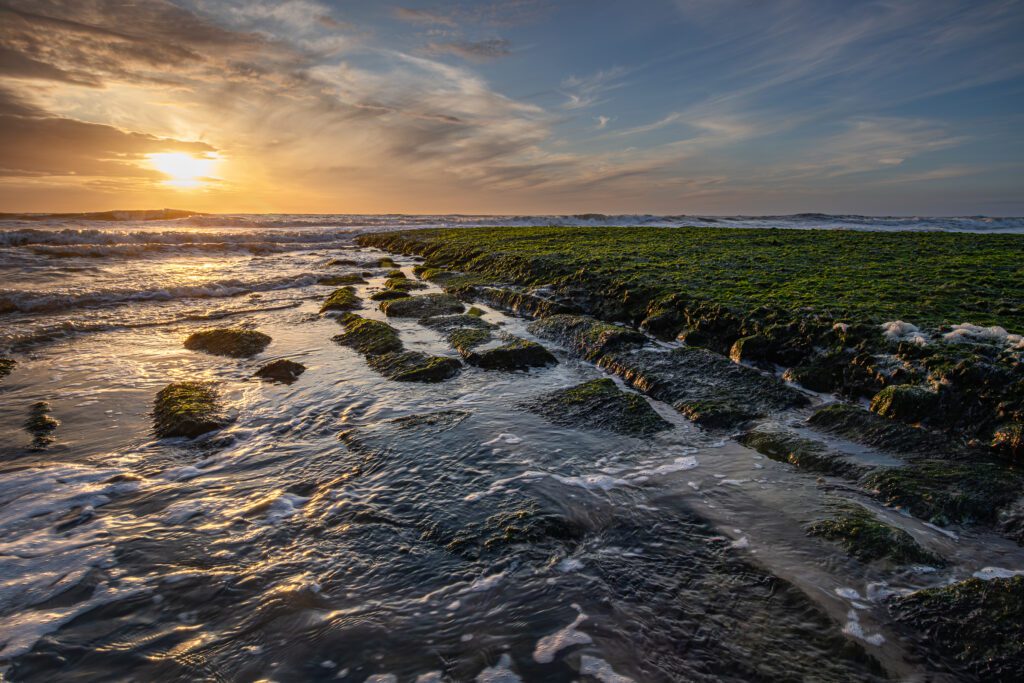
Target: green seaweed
point(905, 403)
point(233, 342)
point(866, 538)
point(371, 337)
point(599, 404)
point(414, 366)
point(187, 409)
point(346, 279)
point(281, 370)
point(343, 299)
point(422, 306)
point(801, 453)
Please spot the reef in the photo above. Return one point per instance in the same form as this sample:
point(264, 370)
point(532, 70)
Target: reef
point(188, 409)
point(414, 366)
point(599, 404)
point(233, 342)
point(802, 453)
point(283, 370)
point(515, 354)
point(346, 279)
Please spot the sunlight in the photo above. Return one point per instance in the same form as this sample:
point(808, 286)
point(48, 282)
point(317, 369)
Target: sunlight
point(184, 170)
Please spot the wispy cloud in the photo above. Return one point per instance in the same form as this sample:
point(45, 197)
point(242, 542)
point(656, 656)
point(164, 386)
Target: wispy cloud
point(586, 91)
point(478, 51)
point(422, 16)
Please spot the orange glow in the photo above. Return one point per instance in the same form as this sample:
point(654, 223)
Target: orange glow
point(185, 171)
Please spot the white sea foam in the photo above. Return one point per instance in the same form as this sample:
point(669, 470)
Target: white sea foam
point(601, 670)
point(499, 673)
point(966, 332)
point(504, 438)
point(854, 629)
point(987, 573)
point(897, 330)
point(550, 645)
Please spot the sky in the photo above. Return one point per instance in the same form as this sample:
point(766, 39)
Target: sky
point(895, 107)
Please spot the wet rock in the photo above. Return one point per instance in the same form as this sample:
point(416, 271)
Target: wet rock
point(976, 622)
point(386, 262)
point(863, 427)
point(388, 295)
point(187, 409)
point(586, 336)
point(945, 492)
point(755, 349)
point(1009, 440)
point(414, 366)
point(517, 301)
point(517, 354)
point(283, 370)
point(371, 337)
point(422, 306)
point(702, 384)
point(599, 404)
point(448, 323)
point(866, 538)
point(473, 310)
point(465, 339)
point(342, 262)
point(346, 279)
point(799, 452)
point(343, 299)
point(233, 342)
point(397, 272)
point(40, 424)
point(816, 377)
point(439, 421)
point(905, 403)
point(527, 524)
point(403, 284)
point(6, 366)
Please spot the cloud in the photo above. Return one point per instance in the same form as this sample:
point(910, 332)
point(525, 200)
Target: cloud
point(586, 91)
point(478, 51)
point(602, 122)
point(420, 16)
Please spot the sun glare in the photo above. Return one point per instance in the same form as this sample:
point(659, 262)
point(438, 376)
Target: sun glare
point(184, 170)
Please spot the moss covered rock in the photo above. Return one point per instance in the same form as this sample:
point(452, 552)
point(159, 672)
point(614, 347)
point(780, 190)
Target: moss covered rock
point(346, 279)
point(976, 622)
point(6, 366)
point(449, 323)
point(799, 452)
point(397, 272)
point(586, 336)
point(283, 370)
point(40, 424)
point(389, 294)
point(343, 299)
point(860, 426)
point(474, 311)
point(715, 414)
point(599, 404)
point(386, 262)
point(233, 342)
point(863, 536)
point(905, 403)
point(1009, 439)
point(465, 339)
point(414, 366)
point(187, 409)
point(422, 306)
point(755, 349)
point(517, 354)
point(816, 377)
point(404, 284)
point(371, 337)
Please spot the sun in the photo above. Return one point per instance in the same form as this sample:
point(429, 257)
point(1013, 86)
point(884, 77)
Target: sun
point(183, 170)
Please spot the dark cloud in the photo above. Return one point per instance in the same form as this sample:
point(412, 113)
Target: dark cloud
point(478, 51)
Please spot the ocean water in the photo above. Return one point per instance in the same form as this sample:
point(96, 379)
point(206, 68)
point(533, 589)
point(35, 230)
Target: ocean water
point(322, 536)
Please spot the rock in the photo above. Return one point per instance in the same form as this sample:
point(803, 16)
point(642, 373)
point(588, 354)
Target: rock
point(371, 337)
point(715, 414)
point(342, 262)
point(414, 366)
point(587, 336)
point(945, 492)
point(755, 349)
point(397, 272)
point(905, 403)
point(386, 262)
point(813, 376)
point(860, 426)
point(346, 279)
point(403, 284)
point(1009, 440)
point(388, 295)
point(599, 404)
point(526, 524)
point(976, 622)
point(422, 306)
point(6, 366)
point(40, 424)
point(465, 339)
point(866, 538)
point(283, 370)
point(474, 311)
point(343, 299)
point(517, 301)
point(517, 354)
point(439, 421)
point(233, 342)
point(802, 453)
point(448, 323)
point(187, 409)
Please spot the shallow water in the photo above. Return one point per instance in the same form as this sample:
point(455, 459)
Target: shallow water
point(324, 536)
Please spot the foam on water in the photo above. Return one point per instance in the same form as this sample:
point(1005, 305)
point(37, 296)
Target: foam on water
point(549, 646)
point(601, 670)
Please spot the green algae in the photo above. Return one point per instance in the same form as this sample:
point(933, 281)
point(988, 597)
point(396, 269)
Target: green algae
point(389, 294)
point(403, 284)
point(346, 279)
point(465, 339)
point(905, 403)
point(599, 404)
point(233, 342)
point(414, 366)
point(799, 452)
point(474, 311)
point(587, 336)
point(394, 273)
point(422, 306)
point(187, 409)
point(516, 354)
point(866, 538)
point(371, 337)
point(343, 299)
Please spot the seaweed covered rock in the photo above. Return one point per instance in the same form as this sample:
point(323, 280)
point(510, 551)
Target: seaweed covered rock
point(465, 339)
point(586, 336)
point(343, 299)
point(474, 311)
point(515, 300)
point(403, 284)
point(338, 280)
point(414, 366)
point(517, 354)
point(799, 452)
point(438, 421)
point(283, 370)
point(975, 622)
point(905, 403)
point(187, 409)
point(385, 262)
point(1009, 440)
point(814, 376)
point(233, 342)
point(422, 306)
point(599, 404)
point(947, 492)
point(860, 426)
point(526, 524)
point(40, 424)
point(755, 349)
point(389, 294)
point(448, 323)
point(6, 366)
point(866, 538)
point(371, 337)
point(397, 272)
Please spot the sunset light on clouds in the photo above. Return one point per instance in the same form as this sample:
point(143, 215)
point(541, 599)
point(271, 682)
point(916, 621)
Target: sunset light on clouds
point(658, 106)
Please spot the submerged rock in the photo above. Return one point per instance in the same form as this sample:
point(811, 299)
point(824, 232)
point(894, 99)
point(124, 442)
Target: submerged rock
point(6, 366)
point(527, 524)
point(187, 409)
point(799, 452)
point(346, 279)
point(388, 295)
point(283, 370)
point(1009, 440)
point(414, 366)
point(586, 336)
point(863, 427)
point(976, 622)
point(371, 337)
point(599, 404)
point(519, 302)
point(866, 538)
point(233, 342)
point(343, 299)
point(40, 424)
point(422, 306)
point(905, 403)
point(439, 421)
point(517, 354)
